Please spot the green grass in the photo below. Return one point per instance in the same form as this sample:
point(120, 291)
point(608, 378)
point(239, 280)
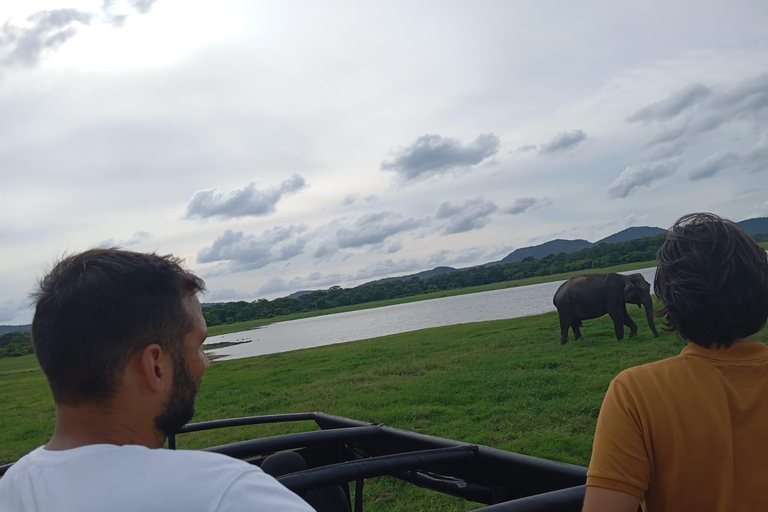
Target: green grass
point(764, 245)
point(507, 384)
point(252, 324)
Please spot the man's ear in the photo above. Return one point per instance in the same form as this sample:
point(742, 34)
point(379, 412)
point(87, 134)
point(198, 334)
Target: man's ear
point(154, 367)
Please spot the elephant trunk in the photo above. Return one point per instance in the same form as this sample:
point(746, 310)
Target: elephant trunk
point(648, 303)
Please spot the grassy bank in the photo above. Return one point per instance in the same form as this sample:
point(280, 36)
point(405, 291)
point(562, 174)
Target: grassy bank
point(252, 324)
point(507, 384)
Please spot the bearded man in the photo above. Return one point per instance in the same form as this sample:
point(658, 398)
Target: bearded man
point(119, 336)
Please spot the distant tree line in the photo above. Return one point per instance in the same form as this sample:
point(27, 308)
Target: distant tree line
point(603, 255)
point(14, 344)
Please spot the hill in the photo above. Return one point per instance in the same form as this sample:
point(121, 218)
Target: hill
point(755, 226)
point(4, 329)
point(632, 233)
point(426, 274)
point(300, 293)
point(547, 248)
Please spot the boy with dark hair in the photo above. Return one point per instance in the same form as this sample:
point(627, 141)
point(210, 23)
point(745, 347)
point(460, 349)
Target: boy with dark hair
point(689, 432)
point(119, 336)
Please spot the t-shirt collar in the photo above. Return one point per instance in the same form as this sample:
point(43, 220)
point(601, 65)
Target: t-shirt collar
point(740, 351)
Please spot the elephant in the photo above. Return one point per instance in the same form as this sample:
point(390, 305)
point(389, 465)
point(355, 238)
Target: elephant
point(593, 295)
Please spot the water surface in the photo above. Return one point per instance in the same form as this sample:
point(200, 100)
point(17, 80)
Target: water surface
point(371, 323)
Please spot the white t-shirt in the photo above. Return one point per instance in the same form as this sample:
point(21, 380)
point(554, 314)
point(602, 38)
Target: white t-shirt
point(132, 478)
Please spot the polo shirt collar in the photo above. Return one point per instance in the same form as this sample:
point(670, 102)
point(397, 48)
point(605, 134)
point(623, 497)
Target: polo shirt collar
point(740, 351)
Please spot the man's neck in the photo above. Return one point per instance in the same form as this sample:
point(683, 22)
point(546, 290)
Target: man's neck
point(84, 425)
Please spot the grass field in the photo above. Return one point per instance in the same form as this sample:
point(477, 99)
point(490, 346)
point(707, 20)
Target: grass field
point(507, 384)
point(252, 324)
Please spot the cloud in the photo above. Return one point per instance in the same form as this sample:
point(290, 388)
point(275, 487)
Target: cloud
point(672, 105)
point(11, 309)
point(349, 199)
point(223, 294)
point(473, 214)
point(137, 238)
point(564, 141)
point(430, 155)
point(388, 267)
point(754, 160)
point(244, 202)
point(747, 100)
point(313, 280)
point(374, 228)
point(243, 251)
point(471, 255)
point(641, 175)
point(524, 204)
point(632, 219)
point(713, 164)
point(45, 31)
point(526, 148)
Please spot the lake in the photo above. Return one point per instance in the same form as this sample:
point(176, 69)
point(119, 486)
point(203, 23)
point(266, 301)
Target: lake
point(371, 323)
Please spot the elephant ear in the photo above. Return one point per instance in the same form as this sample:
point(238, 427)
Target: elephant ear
point(629, 290)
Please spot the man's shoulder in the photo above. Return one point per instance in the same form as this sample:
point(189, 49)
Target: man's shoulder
point(643, 374)
point(191, 460)
point(140, 460)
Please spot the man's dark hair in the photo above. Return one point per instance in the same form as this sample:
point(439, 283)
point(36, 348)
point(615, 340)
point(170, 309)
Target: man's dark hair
point(95, 310)
point(712, 278)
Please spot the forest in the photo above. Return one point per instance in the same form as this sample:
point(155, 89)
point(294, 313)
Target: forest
point(603, 255)
point(14, 344)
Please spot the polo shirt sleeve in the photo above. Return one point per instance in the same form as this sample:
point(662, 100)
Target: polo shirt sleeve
point(620, 460)
point(257, 491)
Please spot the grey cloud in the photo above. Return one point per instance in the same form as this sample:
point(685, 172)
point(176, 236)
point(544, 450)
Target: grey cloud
point(564, 141)
point(641, 175)
point(473, 214)
point(326, 249)
point(526, 148)
point(713, 164)
point(469, 256)
point(756, 159)
point(117, 20)
point(747, 100)
point(349, 199)
point(137, 238)
point(753, 160)
point(633, 219)
point(223, 294)
point(432, 154)
point(11, 309)
point(524, 204)
point(313, 280)
point(247, 201)
point(47, 30)
point(374, 228)
point(142, 6)
point(243, 251)
point(393, 247)
point(672, 105)
point(388, 267)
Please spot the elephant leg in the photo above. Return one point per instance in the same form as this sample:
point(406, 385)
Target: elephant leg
point(630, 323)
point(576, 331)
point(618, 323)
point(564, 325)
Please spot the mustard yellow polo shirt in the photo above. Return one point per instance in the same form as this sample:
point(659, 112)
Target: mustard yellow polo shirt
point(689, 432)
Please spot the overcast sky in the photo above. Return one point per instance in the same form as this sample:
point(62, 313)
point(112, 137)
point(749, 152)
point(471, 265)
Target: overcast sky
point(280, 146)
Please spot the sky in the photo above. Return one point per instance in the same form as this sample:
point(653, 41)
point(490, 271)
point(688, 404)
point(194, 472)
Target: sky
point(284, 146)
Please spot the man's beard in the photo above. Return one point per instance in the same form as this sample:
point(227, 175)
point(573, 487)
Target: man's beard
point(181, 405)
